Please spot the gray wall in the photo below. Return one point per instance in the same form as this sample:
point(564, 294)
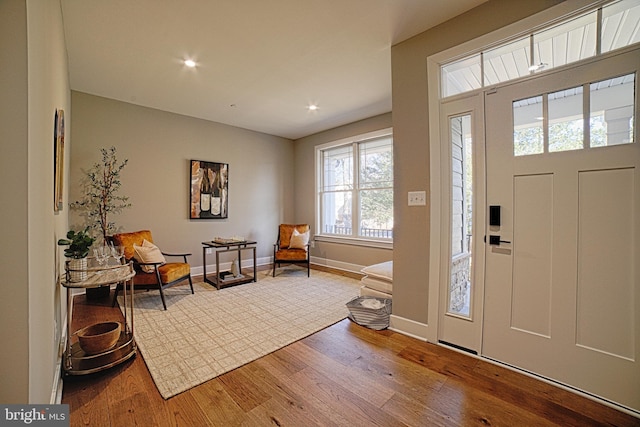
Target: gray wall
point(159, 146)
point(411, 141)
point(34, 83)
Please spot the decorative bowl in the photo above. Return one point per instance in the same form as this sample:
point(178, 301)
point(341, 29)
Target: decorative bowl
point(99, 337)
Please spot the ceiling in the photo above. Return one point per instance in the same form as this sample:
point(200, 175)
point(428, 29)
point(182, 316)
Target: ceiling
point(260, 64)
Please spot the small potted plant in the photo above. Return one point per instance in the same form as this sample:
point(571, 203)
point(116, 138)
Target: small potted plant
point(78, 243)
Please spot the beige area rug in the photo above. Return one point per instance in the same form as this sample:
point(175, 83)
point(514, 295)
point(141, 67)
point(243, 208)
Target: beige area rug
point(209, 333)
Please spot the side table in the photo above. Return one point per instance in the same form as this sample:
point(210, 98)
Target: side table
point(220, 248)
point(76, 361)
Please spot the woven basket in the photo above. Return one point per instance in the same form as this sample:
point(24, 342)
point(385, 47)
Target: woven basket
point(373, 318)
point(77, 269)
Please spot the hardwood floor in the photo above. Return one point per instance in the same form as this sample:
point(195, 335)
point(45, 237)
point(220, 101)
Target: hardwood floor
point(344, 375)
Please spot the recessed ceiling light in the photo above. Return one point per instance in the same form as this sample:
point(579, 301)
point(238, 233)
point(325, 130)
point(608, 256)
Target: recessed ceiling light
point(312, 107)
point(190, 63)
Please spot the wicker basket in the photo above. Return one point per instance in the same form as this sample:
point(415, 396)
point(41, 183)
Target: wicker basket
point(76, 269)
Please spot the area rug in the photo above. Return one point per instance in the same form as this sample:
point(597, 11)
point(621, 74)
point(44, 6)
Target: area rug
point(204, 335)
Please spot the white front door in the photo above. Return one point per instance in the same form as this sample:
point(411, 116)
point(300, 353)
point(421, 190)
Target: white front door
point(562, 285)
point(462, 179)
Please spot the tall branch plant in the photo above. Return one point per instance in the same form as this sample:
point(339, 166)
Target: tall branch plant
point(100, 193)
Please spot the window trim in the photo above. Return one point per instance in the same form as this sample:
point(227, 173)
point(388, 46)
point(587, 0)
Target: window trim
point(332, 238)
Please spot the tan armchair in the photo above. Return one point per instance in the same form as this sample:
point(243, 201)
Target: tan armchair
point(151, 272)
point(292, 246)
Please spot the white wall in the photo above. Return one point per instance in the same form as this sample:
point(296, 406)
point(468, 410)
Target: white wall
point(34, 83)
point(48, 91)
point(159, 146)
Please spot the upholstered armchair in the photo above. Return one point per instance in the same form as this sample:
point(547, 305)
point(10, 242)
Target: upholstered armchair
point(292, 246)
point(152, 270)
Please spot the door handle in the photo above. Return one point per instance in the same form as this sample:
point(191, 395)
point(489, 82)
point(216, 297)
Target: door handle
point(495, 240)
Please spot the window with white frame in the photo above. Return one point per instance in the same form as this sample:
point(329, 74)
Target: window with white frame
point(355, 187)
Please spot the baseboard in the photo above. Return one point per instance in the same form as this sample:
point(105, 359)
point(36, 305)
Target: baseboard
point(268, 261)
point(337, 265)
point(408, 327)
point(57, 383)
point(225, 266)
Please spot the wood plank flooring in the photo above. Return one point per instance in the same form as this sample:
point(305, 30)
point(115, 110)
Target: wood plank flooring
point(345, 375)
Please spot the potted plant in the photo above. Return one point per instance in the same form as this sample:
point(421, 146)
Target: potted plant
point(78, 243)
point(100, 199)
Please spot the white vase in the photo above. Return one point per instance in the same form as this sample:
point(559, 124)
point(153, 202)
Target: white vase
point(77, 269)
point(235, 268)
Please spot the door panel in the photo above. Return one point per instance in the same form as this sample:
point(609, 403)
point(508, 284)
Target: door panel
point(562, 290)
point(533, 207)
point(601, 309)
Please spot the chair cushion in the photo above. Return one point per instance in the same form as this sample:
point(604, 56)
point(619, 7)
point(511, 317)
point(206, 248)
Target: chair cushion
point(299, 240)
point(286, 230)
point(291, 255)
point(377, 284)
point(169, 272)
point(148, 252)
point(129, 239)
point(383, 271)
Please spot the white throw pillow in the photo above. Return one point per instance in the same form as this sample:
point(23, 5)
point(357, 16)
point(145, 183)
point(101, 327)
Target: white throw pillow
point(298, 240)
point(148, 252)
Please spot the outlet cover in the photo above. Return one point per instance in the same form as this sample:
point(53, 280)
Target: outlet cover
point(417, 198)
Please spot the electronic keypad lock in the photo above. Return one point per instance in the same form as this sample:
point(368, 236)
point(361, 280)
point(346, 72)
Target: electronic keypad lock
point(494, 215)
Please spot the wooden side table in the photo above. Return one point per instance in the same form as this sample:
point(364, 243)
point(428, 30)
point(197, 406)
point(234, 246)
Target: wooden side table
point(76, 361)
point(220, 248)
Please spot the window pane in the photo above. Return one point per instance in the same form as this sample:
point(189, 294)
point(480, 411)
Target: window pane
point(376, 163)
point(620, 24)
point(337, 164)
point(528, 135)
point(612, 107)
point(566, 128)
point(566, 43)
point(336, 215)
point(460, 283)
point(461, 76)
point(376, 213)
point(507, 62)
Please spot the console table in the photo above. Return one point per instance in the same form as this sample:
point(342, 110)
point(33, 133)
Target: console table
point(76, 361)
point(220, 248)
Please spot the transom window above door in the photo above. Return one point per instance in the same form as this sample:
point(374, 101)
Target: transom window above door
point(605, 28)
point(554, 122)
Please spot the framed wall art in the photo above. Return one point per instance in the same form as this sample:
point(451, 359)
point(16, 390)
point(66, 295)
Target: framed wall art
point(209, 190)
point(58, 160)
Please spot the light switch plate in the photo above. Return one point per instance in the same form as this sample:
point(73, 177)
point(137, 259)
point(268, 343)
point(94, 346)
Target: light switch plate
point(417, 198)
